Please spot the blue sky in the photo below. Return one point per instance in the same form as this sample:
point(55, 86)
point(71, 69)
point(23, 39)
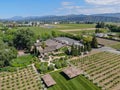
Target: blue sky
point(10, 8)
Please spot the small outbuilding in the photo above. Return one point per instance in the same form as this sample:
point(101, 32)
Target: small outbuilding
point(48, 80)
point(72, 72)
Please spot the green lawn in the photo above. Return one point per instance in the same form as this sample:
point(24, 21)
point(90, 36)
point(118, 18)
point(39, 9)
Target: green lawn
point(85, 31)
point(74, 26)
point(22, 61)
point(38, 30)
point(78, 83)
point(117, 46)
point(81, 32)
point(46, 32)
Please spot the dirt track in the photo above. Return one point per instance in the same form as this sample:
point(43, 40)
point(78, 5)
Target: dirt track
point(68, 30)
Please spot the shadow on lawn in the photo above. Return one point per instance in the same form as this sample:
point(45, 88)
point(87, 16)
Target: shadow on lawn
point(64, 75)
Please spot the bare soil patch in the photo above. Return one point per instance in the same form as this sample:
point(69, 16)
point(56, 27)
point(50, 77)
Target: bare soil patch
point(69, 30)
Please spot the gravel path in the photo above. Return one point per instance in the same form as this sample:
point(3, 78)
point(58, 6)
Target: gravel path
point(109, 49)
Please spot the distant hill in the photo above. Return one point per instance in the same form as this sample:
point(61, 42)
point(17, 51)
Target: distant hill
point(16, 18)
point(117, 15)
point(83, 18)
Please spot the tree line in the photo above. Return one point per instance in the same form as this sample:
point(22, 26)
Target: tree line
point(77, 50)
point(112, 28)
point(7, 53)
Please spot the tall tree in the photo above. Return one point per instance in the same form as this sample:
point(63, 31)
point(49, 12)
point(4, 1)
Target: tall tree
point(24, 39)
point(100, 25)
point(94, 42)
point(72, 49)
point(97, 31)
point(82, 49)
point(89, 47)
point(6, 54)
point(54, 34)
point(76, 50)
point(79, 50)
point(85, 48)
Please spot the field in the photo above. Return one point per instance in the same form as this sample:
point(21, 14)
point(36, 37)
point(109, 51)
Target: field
point(68, 28)
point(43, 30)
point(78, 83)
point(73, 26)
point(117, 46)
point(102, 68)
point(38, 30)
point(82, 31)
point(107, 42)
point(79, 32)
point(25, 79)
point(22, 61)
point(78, 28)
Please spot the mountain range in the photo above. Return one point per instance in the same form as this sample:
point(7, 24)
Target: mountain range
point(107, 17)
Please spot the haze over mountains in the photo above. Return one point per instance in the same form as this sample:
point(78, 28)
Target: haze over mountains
point(117, 15)
point(108, 17)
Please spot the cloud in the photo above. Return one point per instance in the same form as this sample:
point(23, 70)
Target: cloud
point(68, 6)
point(66, 3)
point(96, 10)
point(103, 2)
point(97, 7)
